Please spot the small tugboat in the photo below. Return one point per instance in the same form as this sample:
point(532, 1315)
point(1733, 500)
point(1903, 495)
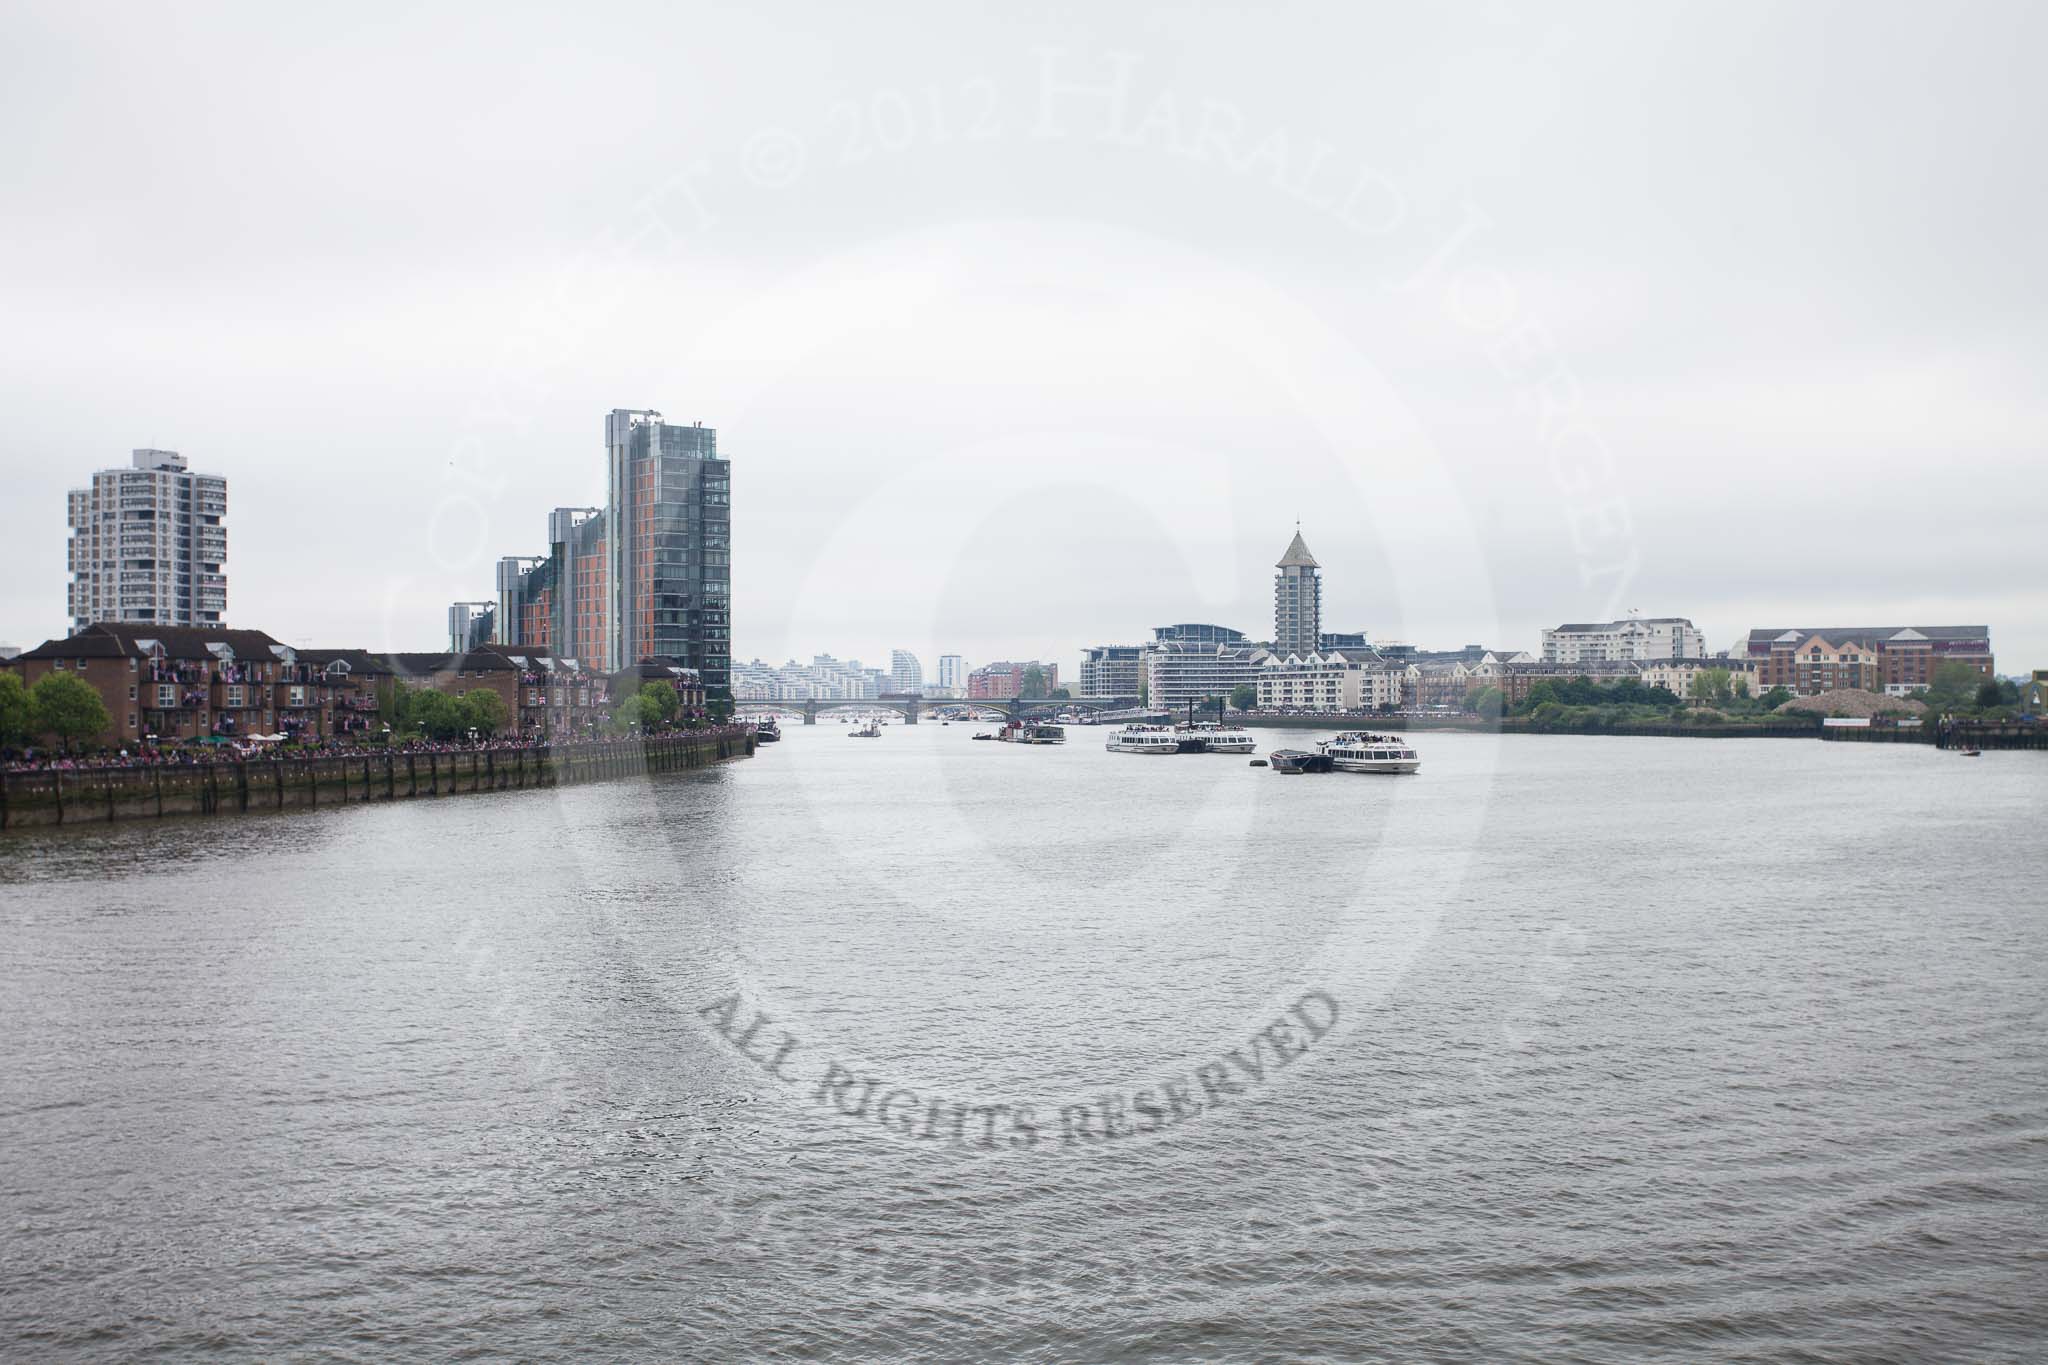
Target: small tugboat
point(767, 731)
point(868, 731)
point(1300, 761)
point(984, 735)
point(1359, 752)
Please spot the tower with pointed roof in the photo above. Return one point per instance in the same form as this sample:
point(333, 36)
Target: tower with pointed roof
point(1297, 600)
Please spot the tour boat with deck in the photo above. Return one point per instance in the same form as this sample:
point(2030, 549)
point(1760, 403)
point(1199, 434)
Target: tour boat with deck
point(1209, 737)
point(767, 731)
point(1143, 739)
point(1359, 752)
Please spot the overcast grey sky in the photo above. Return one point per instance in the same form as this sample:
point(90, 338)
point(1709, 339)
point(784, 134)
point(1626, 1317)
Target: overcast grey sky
point(1033, 330)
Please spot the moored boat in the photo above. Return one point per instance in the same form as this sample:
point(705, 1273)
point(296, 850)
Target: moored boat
point(1143, 739)
point(1031, 732)
point(1299, 761)
point(1209, 737)
point(1360, 752)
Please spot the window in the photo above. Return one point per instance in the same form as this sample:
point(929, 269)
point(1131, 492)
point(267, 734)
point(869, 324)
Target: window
point(131, 694)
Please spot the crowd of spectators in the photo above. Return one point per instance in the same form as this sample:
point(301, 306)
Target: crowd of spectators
point(158, 755)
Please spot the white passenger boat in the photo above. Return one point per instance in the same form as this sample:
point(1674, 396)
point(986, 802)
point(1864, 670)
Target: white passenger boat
point(1143, 739)
point(1208, 737)
point(1359, 752)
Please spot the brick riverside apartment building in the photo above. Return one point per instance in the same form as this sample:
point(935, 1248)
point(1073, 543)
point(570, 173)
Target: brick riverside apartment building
point(199, 682)
point(1895, 660)
point(178, 683)
point(1005, 681)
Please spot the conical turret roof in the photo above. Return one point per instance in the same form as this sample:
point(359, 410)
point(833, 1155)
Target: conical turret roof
point(1297, 556)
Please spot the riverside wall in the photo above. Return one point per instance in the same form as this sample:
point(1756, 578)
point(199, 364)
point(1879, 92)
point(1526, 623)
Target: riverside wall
point(43, 797)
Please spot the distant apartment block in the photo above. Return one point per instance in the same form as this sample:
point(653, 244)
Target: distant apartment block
point(149, 544)
point(953, 674)
point(906, 673)
point(1895, 660)
point(824, 678)
point(648, 576)
point(1635, 639)
point(470, 624)
point(1111, 670)
point(1005, 680)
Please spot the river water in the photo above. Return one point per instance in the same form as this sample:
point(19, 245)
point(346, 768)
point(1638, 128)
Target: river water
point(916, 1047)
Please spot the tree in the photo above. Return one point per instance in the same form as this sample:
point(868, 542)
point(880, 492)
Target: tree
point(485, 711)
point(14, 711)
point(1061, 694)
point(1951, 688)
point(68, 708)
point(1991, 694)
point(1710, 685)
point(1244, 696)
point(659, 703)
point(1738, 686)
point(636, 712)
point(1485, 701)
point(1775, 698)
point(435, 715)
point(1032, 685)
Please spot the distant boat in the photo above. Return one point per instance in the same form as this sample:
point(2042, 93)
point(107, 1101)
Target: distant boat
point(1031, 732)
point(767, 732)
point(868, 731)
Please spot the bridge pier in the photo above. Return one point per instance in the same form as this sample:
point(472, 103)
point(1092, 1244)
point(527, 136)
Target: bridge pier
point(811, 712)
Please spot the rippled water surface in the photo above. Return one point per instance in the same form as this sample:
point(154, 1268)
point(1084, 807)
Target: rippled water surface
point(924, 1048)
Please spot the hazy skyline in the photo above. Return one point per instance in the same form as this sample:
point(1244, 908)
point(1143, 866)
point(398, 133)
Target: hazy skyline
point(1026, 332)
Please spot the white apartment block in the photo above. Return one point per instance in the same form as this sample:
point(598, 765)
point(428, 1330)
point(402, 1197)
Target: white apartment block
point(1326, 682)
point(149, 543)
point(1177, 674)
point(906, 671)
point(1678, 674)
point(1631, 641)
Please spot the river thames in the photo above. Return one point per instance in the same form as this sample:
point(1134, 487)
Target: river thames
point(914, 1047)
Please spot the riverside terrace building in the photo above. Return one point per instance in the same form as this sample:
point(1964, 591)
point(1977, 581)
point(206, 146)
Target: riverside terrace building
point(1679, 675)
point(1326, 682)
point(1444, 678)
point(1516, 680)
point(1004, 680)
point(1895, 660)
point(1652, 637)
point(548, 697)
point(177, 683)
